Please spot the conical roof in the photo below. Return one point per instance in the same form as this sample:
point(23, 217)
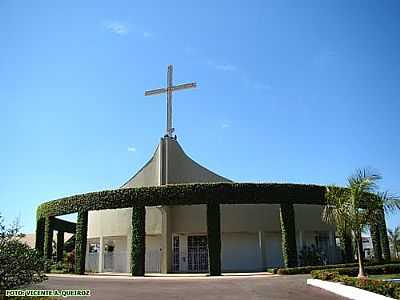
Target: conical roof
point(170, 165)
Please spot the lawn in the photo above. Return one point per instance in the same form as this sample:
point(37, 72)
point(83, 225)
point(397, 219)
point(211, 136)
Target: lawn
point(384, 276)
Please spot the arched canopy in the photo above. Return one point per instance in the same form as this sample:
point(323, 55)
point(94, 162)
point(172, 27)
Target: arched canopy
point(187, 194)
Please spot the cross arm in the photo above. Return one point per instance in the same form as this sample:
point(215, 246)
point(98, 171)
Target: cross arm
point(184, 86)
point(155, 92)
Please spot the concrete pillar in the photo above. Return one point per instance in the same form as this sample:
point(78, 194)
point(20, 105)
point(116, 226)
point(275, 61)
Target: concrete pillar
point(300, 241)
point(101, 255)
point(166, 240)
point(60, 245)
point(214, 238)
point(261, 243)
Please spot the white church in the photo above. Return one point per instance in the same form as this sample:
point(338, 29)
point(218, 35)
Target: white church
point(176, 236)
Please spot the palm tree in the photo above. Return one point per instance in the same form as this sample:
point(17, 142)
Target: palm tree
point(394, 239)
point(357, 206)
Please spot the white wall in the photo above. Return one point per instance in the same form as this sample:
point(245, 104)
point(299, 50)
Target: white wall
point(116, 222)
point(240, 252)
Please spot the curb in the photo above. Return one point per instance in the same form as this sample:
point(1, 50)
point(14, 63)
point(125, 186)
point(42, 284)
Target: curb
point(346, 291)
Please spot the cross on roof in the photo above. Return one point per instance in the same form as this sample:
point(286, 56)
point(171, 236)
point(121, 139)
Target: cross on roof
point(168, 90)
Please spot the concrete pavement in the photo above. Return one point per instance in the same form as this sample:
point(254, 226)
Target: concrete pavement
point(223, 287)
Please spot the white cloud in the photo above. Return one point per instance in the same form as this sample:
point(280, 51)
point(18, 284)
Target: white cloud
point(147, 34)
point(117, 27)
point(225, 67)
point(221, 67)
point(131, 149)
point(261, 86)
point(225, 125)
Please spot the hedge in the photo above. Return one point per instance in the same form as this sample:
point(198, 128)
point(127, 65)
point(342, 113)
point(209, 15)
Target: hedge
point(386, 288)
point(289, 249)
point(80, 242)
point(187, 194)
point(214, 238)
point(138, 252)
point(352, 268)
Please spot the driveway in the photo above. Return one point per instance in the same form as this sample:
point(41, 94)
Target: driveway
point(232, 287)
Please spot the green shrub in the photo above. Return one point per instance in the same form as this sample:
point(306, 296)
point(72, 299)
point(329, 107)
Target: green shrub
point(311, 256)
point(349, 269)
point(19, 264)
point(389, 289)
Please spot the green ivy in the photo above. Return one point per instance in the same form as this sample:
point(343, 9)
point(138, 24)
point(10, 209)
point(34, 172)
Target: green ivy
point(346, 243)
point(48, 237)
point(187, 194)
point(138, 252)
point(214, 238)
point(39, 242)
point(289, 248)
point(80, 242)
point(383, 236)
point(376, 242)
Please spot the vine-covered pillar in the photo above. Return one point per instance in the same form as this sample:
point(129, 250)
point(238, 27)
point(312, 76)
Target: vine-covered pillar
point(289, 249)
point(214, 238)
point(60, 245)
point(376, 242)
point(384, 236)
point(80, 242)
point(48, 237)
point(39, 242)
point(346, 244)
point(138, 252)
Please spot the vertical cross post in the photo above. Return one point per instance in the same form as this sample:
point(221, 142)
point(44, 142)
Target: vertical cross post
point(168, 90)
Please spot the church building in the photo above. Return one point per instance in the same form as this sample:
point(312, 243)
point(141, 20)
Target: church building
point(176, 235)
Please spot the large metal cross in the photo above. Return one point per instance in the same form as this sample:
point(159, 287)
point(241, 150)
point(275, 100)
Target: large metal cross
point(168, 90)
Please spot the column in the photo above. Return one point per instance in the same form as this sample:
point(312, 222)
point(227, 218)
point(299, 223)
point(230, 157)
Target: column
point(376, 242)
point(384, 236)
point(60, 245)
point(261, 243)
point(101, 255)
point(166, 236)
point(48, 237)
point(80, 242)
point(289, 248)
point(39, 241)
point(138, 252)
point(214, 238)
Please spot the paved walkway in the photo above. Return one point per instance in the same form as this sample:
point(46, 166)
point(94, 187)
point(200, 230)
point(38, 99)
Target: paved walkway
point(169, 287)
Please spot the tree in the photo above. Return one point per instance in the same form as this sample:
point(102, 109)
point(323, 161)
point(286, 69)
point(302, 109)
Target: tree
point(394, 239)
point(19, 264)
point(357, 206)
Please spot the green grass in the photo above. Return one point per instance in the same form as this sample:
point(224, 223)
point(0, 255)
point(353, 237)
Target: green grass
point(384, 276)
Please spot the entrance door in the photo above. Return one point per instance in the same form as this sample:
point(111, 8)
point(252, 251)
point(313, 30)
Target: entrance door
point(197, 253)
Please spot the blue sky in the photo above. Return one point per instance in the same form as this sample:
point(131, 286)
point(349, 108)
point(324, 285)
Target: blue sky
point(288, 91)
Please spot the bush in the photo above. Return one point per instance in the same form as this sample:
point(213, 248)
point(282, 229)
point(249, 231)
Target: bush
point(311, 256)
point(19, 264)
point(389, 289)
point(349, 269)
